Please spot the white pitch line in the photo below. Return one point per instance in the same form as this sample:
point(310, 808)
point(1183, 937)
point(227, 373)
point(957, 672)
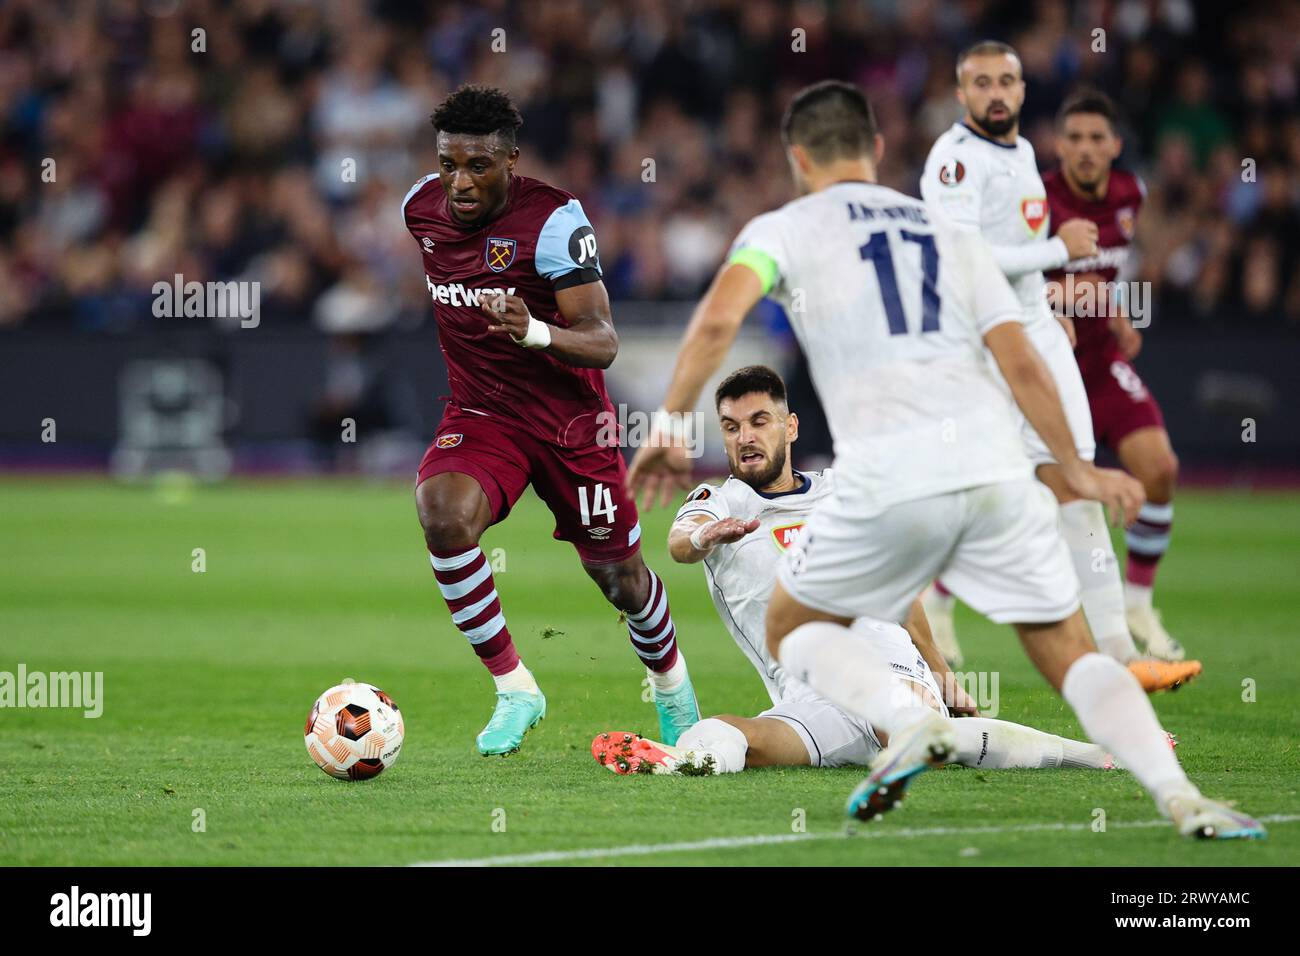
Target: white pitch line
point(727, 843)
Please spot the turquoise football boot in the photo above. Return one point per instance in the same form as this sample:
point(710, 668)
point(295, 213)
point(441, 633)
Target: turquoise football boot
point(516, 713)
point(678, 711)
point(927, 743)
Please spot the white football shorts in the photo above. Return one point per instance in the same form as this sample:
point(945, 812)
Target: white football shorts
point(997, 547)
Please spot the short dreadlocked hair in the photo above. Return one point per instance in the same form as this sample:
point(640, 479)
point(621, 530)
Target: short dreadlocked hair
point(479, 111)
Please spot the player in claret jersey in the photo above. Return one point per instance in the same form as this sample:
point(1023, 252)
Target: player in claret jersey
point(1125, 416)
point(525, 329)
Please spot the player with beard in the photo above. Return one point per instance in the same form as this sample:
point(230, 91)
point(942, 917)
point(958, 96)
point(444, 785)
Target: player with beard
point(1125, 416)
point(982, 176)
point(901, 317)
point(739, 531)
point(525, 329)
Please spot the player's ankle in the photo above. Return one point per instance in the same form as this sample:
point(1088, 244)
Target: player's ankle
point(519, 680)
point(1182, 789)
point(1137, 595)
point(1120, 647)
point(669, 680)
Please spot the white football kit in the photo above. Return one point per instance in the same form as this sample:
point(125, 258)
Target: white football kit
point(932, 479)
point(740, 577)
point(978, 184)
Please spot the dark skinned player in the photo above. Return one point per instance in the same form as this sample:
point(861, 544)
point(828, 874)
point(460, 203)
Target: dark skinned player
point(525, 329)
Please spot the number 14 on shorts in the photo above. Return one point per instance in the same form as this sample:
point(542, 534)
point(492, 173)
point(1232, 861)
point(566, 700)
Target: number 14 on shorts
point(601, 504)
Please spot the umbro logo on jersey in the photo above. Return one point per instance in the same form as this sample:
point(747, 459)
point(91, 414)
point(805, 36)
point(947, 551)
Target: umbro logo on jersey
point(951, 172)
point(428, 244)
point(450, 441)
point(787, 535)
point(1035, 213)
point(601, 532)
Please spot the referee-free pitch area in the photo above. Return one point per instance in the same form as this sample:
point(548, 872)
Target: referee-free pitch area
point(198, 756)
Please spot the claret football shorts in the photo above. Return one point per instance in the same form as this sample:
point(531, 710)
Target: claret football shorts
point(584, 487)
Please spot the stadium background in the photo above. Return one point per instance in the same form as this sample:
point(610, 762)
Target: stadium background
point(227, 164)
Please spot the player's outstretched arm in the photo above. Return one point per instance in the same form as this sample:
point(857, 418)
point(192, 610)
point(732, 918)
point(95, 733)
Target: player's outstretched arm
point(712, 330)
point(589, 341)
point(692, 538)
point(1035, 392)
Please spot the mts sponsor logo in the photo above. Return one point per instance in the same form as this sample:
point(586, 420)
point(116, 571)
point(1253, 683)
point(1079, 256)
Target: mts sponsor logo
point(76, 908)
point(1035, 212)
point(787, 535)
point(455, 294)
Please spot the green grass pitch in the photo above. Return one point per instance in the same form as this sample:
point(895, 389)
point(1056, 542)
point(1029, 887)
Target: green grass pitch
point(208, 678)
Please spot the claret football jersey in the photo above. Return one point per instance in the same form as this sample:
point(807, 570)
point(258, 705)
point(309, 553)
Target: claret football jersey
point(539, 244)
point(1116, 218)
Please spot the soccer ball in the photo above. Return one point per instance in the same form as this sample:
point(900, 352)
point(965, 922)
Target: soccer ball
point(354, 731)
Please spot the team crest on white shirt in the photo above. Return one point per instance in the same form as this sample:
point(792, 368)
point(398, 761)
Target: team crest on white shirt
point(1035, 212)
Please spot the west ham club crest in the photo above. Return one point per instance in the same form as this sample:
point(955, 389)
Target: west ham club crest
point(1126, 221)
point(500, 253)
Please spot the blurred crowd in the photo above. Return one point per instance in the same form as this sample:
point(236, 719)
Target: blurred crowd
point(273, 140)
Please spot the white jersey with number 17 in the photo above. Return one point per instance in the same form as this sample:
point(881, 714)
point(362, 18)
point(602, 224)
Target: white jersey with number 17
point(891, 308)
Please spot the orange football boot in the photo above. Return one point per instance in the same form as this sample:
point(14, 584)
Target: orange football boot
point(628, 753)
point(1155, 676)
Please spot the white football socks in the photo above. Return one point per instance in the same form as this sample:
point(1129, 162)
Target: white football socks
point(1083, 526)
point(846, 671)
point(671, 679)
point(725, 743)
point(1001, 745)
point(1116, 714)
point(519, 679)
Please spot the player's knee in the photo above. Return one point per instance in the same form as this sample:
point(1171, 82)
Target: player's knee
point(1164, 478)
point(444, 530)
point(449, 520)
point(624, 585)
